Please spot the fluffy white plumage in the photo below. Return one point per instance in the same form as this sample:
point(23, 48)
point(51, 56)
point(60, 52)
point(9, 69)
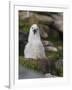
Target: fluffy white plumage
point(34, 48)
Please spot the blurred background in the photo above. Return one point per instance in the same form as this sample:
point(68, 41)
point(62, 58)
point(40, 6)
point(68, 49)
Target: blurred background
point(51, 32)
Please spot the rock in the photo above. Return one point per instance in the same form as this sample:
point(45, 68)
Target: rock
point(43, 31)
point(24, 14)
point(33, 19)
point(23, 39)
point(51, 48)
point(44, 27)
point(58, 21)
point(55, 68)
point(23, 36)
point(59, 67)
point(43, 34)
point(47, 43)
point(27, 73)
point(49, 75)
point(44, 19)
point(59, 64)
point(60, 47)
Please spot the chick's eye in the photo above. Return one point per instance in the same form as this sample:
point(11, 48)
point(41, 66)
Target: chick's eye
point(32, 27)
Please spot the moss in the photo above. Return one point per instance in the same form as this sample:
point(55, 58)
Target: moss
point(24, 25)
point(33, 64)
point(40, 65)
point(52, 55)
point(26, 28)
point(58, 72)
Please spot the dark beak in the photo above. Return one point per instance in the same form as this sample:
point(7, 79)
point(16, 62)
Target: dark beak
point(34, 31)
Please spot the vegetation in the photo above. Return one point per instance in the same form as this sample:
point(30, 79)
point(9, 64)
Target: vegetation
point(43, 65)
